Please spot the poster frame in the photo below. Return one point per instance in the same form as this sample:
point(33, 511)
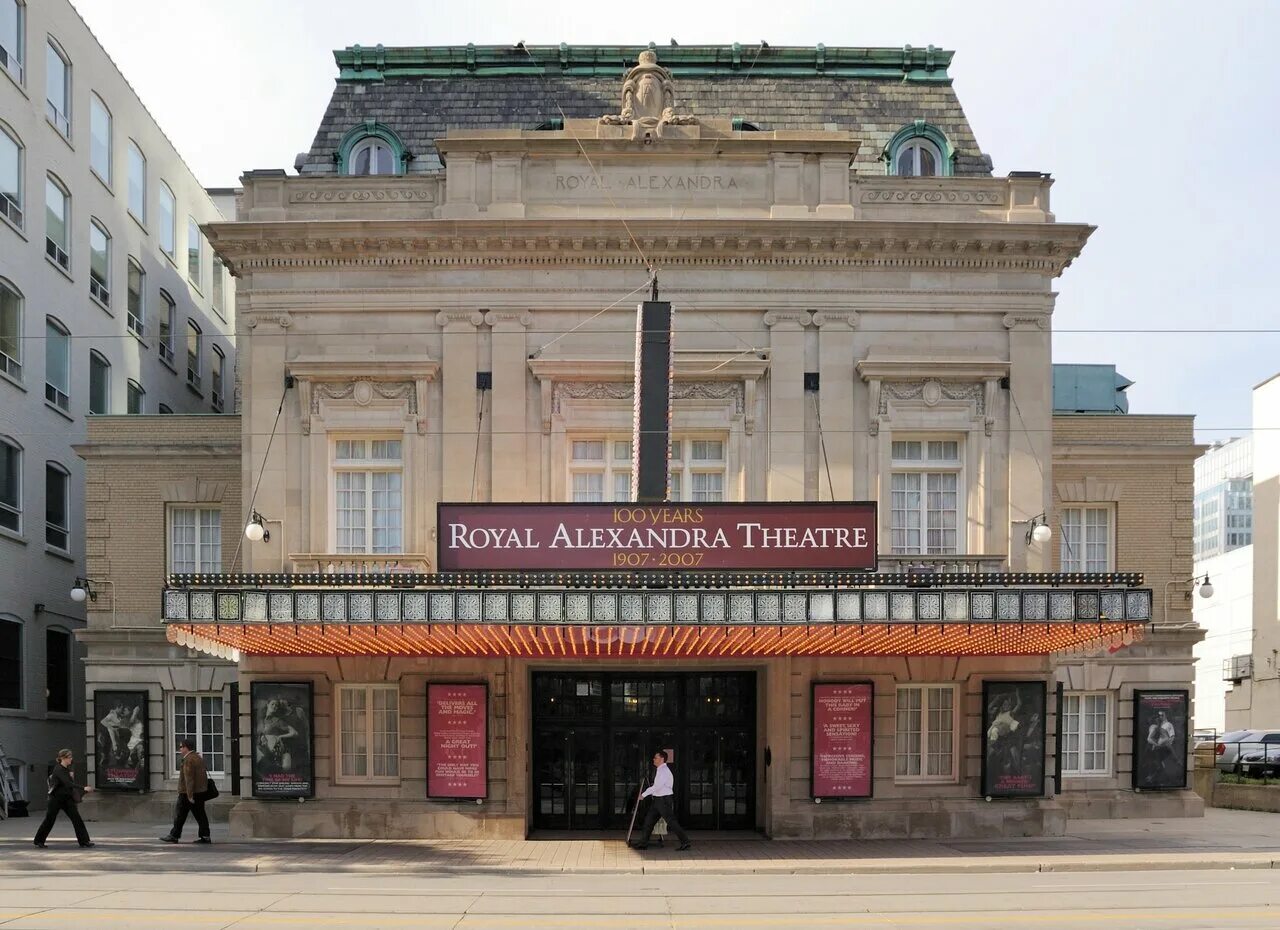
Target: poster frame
point(1139, 746)
point(426, 700)
point(813, 728)
point(1044, 740)
point(99, 781)
point(253, 739)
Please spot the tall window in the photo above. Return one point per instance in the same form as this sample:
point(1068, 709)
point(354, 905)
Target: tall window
point(1086, 539)
point(10, 331)
point(195, 252)
point(137, 182)
point(199, 718)
point(58, 88)
point(10, 176)
point(168, 222)
point(925, 497)
point(13, 29)
point(195, 540)
point(57, 364)
point(57, 214)
point(99, 137)
point(57, 670)
point(369, 733)
point(99, 383)
point(373, 156)
point(219, 296)
point(194, 344)
point(168, 320)
point(918, 158)
point(10, 664)
point(600, 469)
point(57, 506)
point(137, 297)
point(136, 397)
point(99, 264)
point(925, 748)
point(1086, 733)
point(10, 485)
point(218, 377)
point(368, 503)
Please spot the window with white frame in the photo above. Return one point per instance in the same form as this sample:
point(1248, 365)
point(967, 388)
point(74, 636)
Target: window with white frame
point(367, 496)
point(99, 383)
point(57, 364)
point(925, 497)
point(99, 138)
point(136, 298)
point(217, 287)
point(925, 745)
point(600, 469)
point(58, 88)
point(99, 263)
point(10, 484)
point(372, 156)
point(13, 29)
point(195, 540)
point(195, 253)
point(10, 331)
point(136, 398)
point(199, 718)
point(1086, 538)
point(57, 216)
point(1086, 733)
point(918, 158)
point(218, 382)
point(168, 222)
point(168, 320)
point(137, 182)
point(368, 733)
point(57, 507)
point(195, 342)
point(10, 176)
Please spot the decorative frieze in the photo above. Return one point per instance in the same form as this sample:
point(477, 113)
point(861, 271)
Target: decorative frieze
point(731, 391)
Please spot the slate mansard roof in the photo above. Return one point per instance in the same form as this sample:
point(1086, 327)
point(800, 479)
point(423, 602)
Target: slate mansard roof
point(420, 93)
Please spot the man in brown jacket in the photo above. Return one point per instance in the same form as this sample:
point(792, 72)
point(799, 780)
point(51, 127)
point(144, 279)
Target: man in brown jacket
point(193, 783)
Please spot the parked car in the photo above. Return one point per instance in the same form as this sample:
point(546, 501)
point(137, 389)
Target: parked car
point(1263, 760)
point(1232, 750)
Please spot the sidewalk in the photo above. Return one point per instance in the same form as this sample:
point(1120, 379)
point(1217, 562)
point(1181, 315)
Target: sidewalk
point(1223, 839)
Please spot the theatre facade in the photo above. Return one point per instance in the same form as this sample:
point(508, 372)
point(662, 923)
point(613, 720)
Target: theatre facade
point(886, 591)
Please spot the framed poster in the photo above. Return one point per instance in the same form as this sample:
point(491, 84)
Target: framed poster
point(457, 740)
point(1160, 739)
point(283, 750)
point(840, 761)
point(120, 733)
point(1013, 734)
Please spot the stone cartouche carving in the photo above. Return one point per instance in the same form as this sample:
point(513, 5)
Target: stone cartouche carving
point(648, 98)
point(625, 390)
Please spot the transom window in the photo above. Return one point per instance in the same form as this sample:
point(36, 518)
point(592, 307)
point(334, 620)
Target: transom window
point(137, 297)
point(58, 88)
point(10, 176)
point(1086, 539)
point(57, 210)
point(369, 733)
point(57, 364)
point(99, 263)
point(925, 497)
point(195, 540)
point(137, 182)
point(10, 485)
point(57, 506)
point(372, 156)
point(99, 138)
point(600, 469)
point(99, 383)
point(13, 28)
point(1086, 733)
point(368, 500)
point(199, 718)
point(925, 748)
point(10, 331)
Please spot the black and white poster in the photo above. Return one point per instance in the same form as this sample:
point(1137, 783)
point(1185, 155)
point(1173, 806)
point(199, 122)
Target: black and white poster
point(1013, 728)
point(1160, 739)
point(120, 734)
point(283, 754)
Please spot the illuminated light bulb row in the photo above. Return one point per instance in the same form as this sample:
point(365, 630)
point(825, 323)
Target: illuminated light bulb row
point(192, 640)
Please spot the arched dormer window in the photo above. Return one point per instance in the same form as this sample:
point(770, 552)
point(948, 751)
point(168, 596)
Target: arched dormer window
point(919, 151)
point(372, 149)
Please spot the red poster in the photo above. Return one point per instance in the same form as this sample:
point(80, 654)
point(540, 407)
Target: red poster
point(457, 741)
point(628, 537)
point(842, 730)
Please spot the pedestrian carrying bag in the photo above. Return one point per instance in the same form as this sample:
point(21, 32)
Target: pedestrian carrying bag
point(212, 791)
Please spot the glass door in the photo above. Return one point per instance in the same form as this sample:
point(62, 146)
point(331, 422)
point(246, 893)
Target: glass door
point(631, 752)
point(567, 778)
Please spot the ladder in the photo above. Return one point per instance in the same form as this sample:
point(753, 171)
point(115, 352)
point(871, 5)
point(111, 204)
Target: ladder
point(9, 794)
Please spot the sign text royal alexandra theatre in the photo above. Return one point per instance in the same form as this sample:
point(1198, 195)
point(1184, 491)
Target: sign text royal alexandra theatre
point(603, 537)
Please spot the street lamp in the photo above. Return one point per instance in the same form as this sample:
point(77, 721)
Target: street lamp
point(255, 531)
point(1039, 530)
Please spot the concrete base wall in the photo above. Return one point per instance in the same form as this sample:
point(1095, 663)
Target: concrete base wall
point(1247, 797)
point(391, 820)
point(1120, 805)
point(141, 808)
point(903, 819)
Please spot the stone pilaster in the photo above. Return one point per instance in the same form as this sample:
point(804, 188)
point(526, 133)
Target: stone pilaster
point(786, 404)
point(460, 418)
point(1030, 438)
point(513, 476)
point(835, 399)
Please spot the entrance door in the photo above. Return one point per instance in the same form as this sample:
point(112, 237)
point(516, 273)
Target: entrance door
point(720, 766)
point(567, 779)
point(631, 752)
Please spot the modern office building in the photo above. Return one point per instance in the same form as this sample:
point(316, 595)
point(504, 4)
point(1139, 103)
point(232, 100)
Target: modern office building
point(1224, 498)
point(111, 302)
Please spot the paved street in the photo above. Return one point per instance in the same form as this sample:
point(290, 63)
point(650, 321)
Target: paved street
point(1130, 900)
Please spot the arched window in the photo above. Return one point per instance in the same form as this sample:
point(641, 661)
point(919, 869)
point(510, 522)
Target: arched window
point(919, 151)
point(11, 166)
point(57, 219)
point(57, 363)
point(10, 485)
point(10, 662)
point(57, 506)
point(99, 263)
point(10, 330)
point(371, 149)
point(99, 383)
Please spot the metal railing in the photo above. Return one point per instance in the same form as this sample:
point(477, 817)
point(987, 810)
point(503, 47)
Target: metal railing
point(1246, 759)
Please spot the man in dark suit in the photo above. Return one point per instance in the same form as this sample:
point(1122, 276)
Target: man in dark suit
point(193, 783)
point(64, 795)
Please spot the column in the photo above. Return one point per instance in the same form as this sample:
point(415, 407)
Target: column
point(836, 377)
point(514, 475)
point(1030, 437)
point(786, 404)
point(459, 420)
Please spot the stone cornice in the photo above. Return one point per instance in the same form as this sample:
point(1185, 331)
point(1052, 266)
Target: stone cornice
point(934, 368)
point(188, 451)
point(383, 368)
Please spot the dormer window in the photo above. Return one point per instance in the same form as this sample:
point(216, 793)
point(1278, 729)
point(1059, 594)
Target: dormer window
point(919, 151)
point(371, 149)
point(372, 156)
point(919, 158)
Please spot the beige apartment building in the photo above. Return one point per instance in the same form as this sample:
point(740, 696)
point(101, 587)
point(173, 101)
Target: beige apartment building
point(440, 308)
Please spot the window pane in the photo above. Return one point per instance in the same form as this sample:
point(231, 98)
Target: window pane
point(99, 384)
point(905, 517)
point(383, 155)
point(182, 541)
point(908, 737)
point(55, 508)
point(621, 486)
point(10, 486)
point(928, 167)
point(350, 500)
point(99, 138)
point(58, 89)
point(210, 541)
point(386, 511)
point(193, 353)
point(386, 733)
point(210, 740)
point(675, 486)
point(195, 249)
point(706, 450)
point(186, 724)
point(10, 178)
point(353, 733)
point(134, 400)
point(168, 313)
point(218, 295)
point(137, 182)
point(135, 297)
point(55, 214)
point(360, 164)
point(57, 659)
point(57, 363)
point(903, 451)
point(386, 450)
point(10, 664)
point(907, 162)
point(675, 450)
point(588, 488)
point(168, 220)
point(622, 451)
point(11, 29)
point(10, 331)
point(99, 263)
point(707, 487)
point(588, 451)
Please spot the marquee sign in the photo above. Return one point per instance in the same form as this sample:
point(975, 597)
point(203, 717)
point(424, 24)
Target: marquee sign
point(607, 537)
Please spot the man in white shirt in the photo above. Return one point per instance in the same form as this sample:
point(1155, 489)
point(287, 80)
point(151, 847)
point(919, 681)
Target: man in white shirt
point(663, 805)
